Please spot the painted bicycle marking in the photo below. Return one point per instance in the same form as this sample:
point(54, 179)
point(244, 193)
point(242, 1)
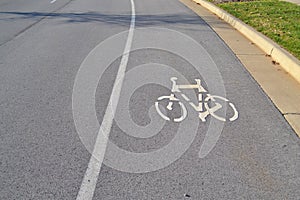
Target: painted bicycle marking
point(203, 107)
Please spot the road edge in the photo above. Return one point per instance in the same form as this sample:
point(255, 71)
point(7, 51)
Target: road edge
point(289, 63)
point(280, 87)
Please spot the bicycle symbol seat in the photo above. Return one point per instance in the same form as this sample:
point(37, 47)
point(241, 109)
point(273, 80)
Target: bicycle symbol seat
point(204, 106)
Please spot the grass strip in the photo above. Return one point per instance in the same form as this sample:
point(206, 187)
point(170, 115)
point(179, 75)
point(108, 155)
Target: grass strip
point(279, 20)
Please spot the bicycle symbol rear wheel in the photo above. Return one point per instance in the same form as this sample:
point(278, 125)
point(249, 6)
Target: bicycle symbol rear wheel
point(212, 110)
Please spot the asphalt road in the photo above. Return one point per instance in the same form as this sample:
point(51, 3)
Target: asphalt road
point(59, 68)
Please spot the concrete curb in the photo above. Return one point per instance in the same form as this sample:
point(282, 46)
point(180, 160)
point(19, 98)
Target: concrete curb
point(288, 62)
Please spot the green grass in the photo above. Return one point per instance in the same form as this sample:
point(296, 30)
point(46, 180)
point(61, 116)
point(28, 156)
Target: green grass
point(278, 20)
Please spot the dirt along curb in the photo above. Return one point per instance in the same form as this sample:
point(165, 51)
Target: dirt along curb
point(288, 62)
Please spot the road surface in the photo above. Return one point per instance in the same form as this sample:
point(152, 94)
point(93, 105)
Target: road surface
point(64, 65)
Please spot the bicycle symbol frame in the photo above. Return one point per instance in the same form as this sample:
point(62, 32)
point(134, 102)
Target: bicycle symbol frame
point(203, 106)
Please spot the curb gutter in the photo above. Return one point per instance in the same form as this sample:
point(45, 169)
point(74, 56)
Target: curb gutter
point(289, 63)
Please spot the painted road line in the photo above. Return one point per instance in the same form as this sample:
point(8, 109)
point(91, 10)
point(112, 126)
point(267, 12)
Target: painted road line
point(90, 178)
point(53, 1)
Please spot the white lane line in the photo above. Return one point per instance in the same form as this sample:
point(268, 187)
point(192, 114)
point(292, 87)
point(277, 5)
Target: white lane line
point(90, 178)
point(53, 1)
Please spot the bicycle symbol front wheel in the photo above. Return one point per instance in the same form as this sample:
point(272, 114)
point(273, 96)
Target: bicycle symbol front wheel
point(171, 100)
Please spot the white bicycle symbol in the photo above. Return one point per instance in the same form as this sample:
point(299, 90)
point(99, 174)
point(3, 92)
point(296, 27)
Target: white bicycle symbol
point(203, 106)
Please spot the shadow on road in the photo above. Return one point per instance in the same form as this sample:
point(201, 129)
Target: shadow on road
point(142, 20)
